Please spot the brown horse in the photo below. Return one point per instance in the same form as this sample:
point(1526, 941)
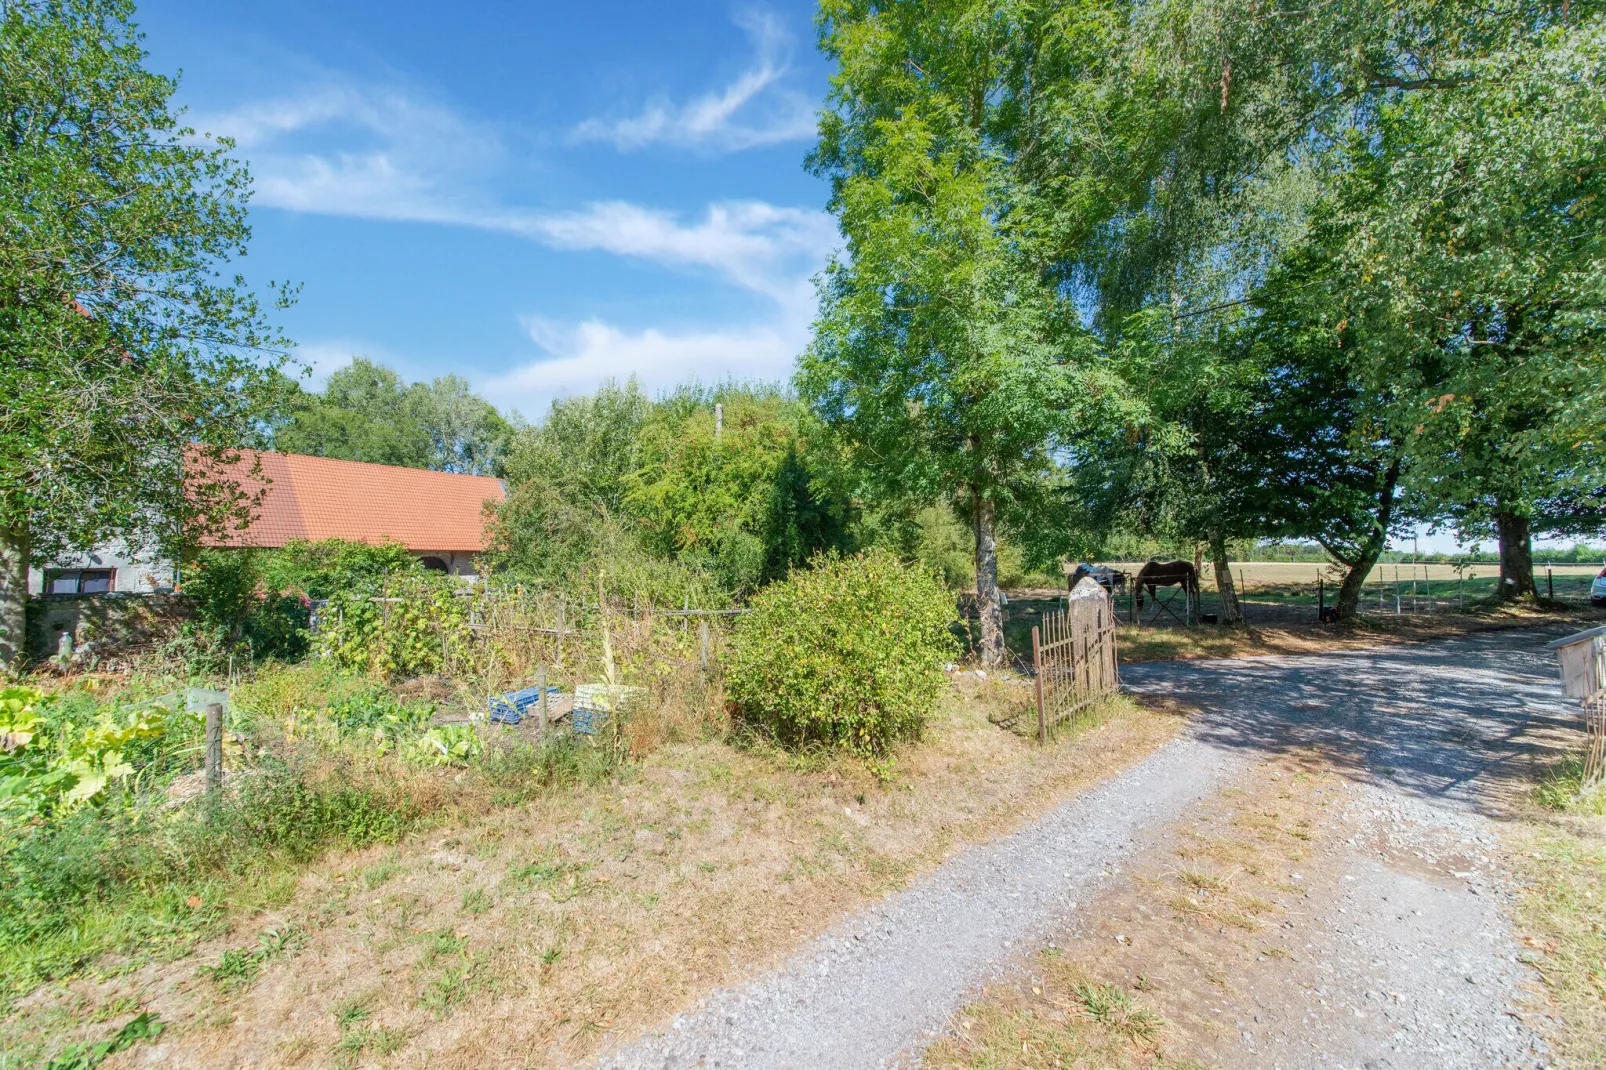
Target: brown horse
point(1166, 574)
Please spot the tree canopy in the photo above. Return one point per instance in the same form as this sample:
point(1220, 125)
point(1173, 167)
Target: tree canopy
point(125, 348)
point(367, 413)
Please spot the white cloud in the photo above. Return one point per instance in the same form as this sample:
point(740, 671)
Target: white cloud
point(580, 357)
point(379, 153)
point(753, 110)
point(754, 245)
point(382, 153)
point(376, 152)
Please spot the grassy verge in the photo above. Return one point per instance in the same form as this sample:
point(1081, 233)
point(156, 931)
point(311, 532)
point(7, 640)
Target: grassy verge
point(1562, 863)
point(1138, 984)
point(572, 912)
point(1063, 1018)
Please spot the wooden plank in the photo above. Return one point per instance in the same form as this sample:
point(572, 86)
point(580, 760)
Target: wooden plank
point(1037, 664)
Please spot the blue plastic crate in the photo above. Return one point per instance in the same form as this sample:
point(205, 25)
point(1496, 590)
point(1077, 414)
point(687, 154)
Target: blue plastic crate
point(511, 708)
point(587, 722)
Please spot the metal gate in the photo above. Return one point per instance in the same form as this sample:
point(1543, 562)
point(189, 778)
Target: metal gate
point(1073, 654)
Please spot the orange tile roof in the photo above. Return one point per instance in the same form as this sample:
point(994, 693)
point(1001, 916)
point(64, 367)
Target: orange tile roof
point(318, 498)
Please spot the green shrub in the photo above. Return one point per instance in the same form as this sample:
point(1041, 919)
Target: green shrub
point(848, 652)
point(236, 612)
point(328, 568)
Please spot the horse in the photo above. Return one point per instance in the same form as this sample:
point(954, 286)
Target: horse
point(1166, 574)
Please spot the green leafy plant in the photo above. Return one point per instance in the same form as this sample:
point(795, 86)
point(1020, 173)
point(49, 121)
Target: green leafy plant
point(42, 771)
point(848, 653)
point(88, 1056)
point(379, 718)
point(447, 744)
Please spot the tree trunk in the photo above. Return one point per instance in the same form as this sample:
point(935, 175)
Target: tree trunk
point(1348, 603)
point(13, 597)
point(1361, 563)
point(1230, 611)
point(1516, 557)
point(988, 606)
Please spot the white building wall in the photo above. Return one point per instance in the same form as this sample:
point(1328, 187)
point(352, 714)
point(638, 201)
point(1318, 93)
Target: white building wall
point(133, 572)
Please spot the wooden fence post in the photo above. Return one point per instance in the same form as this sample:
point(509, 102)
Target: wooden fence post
point(214, 747)
point(562, 604)
point(1037, 666)
point(541, 708)
point(702, 643)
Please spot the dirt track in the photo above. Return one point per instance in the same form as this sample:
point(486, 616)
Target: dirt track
point(1401, 956)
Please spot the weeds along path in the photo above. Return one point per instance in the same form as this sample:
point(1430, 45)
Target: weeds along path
point(1432, 737)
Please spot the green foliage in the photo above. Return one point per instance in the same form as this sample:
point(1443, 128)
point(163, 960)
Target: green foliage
point(366, 413)
point(848, 652)
point(119, 223)
point(1563, 790)
point(51, 764)
point(447, 744)
point(377, 719)
point(238, 967)
point(412, 626)
point(324, 569)
point(144, 1026)
point(645, 495)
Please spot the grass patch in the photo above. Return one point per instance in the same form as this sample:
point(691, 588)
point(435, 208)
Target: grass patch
point(1063, 1018)
point(1111, 1007)
point(1562, 790)
point(632, 892)
point(1562, 902)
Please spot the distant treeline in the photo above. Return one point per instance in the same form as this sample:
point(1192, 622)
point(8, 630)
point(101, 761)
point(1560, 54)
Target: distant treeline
point(1578, 553)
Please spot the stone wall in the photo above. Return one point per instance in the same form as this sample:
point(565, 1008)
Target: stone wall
point(112, 624)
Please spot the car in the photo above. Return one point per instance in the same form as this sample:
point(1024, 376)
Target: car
point(1597, 589)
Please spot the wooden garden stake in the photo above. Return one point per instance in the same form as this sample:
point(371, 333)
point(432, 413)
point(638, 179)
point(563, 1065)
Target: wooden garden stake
point(214, 747)
point(540, 684)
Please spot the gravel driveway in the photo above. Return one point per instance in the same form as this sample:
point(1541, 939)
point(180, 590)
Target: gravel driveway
point(1428, 730)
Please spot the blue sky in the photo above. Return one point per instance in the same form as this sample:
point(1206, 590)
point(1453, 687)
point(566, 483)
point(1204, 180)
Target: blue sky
point(533, 196)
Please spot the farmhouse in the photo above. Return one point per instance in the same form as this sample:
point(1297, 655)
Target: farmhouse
point(439, 516)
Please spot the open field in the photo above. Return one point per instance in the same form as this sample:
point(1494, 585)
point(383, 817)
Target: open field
point(1254, 575)
point(1284, 622)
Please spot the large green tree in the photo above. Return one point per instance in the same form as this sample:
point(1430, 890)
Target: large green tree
point(947, 368)
point(1474, 217)
point(127, 357)
point(366, 412)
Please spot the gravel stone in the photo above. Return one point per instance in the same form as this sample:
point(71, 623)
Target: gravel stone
point(1413, 971)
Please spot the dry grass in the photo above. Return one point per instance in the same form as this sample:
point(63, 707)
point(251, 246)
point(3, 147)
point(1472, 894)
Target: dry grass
point(1562, 865)
point(1061, 1017)
point(1164, 945)
point(539, 934)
